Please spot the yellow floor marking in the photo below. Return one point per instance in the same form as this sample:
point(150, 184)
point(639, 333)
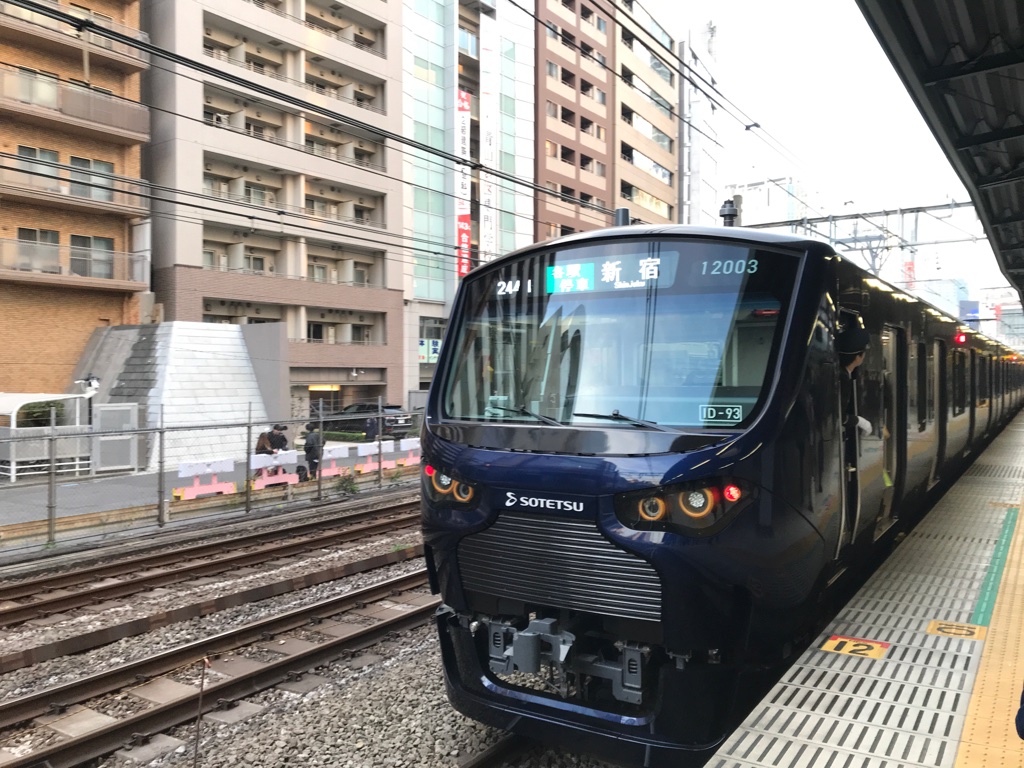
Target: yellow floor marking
point(953, 629)
point(989, 737)
point(856, 646)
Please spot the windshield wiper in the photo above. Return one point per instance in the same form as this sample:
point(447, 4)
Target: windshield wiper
point(523, 411)
point(616, 416)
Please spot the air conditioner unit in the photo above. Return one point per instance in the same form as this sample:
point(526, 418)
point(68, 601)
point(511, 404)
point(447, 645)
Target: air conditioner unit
point(221, 118)
point(360, 201)
point(334, 275)
point(223, 262)
point(359, 143)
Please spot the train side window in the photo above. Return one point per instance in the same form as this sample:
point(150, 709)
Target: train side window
point(958, 381)
point(919, 358)
point(984, 366)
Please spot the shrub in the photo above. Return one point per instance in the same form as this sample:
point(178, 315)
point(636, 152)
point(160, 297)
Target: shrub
point(38, 414)
point(344, 437)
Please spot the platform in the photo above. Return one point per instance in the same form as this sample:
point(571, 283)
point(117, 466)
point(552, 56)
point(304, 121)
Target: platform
point(924, 667)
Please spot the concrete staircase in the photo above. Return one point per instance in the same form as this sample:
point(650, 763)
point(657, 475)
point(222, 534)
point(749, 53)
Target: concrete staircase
point(196, 373)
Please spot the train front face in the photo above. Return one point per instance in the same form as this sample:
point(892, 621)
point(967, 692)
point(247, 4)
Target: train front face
point(594, 503)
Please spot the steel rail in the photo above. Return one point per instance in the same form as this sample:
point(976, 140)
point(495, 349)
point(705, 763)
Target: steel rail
point(104, 636)
point(188, 569)
point(83, 749)
point(28, 587)
point(31, 706)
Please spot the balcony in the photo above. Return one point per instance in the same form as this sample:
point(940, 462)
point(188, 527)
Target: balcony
point(328, 215)
point(67, 266)
point(52, 184)
point(347, 34)
point(61, 37)
point(336, 92)
point(308, 353)
point(52, 103)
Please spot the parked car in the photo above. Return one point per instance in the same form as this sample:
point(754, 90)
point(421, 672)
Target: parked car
point(362, 417)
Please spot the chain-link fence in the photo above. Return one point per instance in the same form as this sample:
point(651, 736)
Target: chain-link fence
point(61, 482)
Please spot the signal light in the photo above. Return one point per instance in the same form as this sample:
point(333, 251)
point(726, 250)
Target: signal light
point(732, 493)
point(960, 338)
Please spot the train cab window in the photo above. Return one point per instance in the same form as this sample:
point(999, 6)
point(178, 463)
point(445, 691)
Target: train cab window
point(681, 333)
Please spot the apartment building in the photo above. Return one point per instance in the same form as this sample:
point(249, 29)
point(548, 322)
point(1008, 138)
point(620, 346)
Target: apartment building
point(280, 212)
point(647, 112)
point(73, 208)
point(700, 198)
point(575, 109)
point(469, 91)
point(607, 117)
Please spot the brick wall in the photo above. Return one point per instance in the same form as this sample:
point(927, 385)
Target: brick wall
point(46, 330)
point(126, 159)
point(65, 221)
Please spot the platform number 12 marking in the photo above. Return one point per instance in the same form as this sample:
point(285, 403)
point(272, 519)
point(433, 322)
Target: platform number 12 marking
point(855, 646)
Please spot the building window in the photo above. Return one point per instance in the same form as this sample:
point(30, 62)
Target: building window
point(602, 25)
point(213, 259)
point(35, 87)
point(552, 29)
point(317, 272)
point(90, 185)
point(257, 194)
point(550, 149)
point(38, 251)
point(44, 174)
point(361, 334)
point(92, 256)
point(552, 69)
point(315, 332)
point(254, 264)
point(552, 109)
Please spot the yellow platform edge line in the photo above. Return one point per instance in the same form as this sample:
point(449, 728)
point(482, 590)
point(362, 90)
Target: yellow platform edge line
point(989, 738)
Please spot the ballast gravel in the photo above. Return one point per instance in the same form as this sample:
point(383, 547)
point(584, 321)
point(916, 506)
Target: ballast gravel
point(391, 713)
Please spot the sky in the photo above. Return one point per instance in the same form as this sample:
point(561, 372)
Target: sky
point(812, 74)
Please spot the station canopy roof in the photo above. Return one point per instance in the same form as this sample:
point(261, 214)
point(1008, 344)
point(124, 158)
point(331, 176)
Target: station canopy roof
point(963, 63)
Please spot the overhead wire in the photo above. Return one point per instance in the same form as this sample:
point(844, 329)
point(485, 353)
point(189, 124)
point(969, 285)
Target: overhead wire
point(260, 215)
point(563, 198)
point(706, 87)
point(83, 24)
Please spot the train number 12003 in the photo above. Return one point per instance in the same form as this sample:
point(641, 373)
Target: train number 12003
point(729, 267)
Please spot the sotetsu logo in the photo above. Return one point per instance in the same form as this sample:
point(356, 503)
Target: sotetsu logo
point(535, 502)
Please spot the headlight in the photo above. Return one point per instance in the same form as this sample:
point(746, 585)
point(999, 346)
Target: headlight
point(698, 508)
point(440, 487)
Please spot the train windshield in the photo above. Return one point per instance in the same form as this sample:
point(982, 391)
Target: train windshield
point(636, 334)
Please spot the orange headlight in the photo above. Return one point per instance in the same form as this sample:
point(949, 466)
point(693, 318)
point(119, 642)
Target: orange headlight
point(651, 509)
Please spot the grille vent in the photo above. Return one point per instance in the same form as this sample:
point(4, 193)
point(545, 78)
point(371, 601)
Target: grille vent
point(561, 563)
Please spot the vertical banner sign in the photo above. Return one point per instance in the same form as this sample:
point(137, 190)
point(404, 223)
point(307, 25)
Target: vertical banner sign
point(490, 125)
point(463, 186)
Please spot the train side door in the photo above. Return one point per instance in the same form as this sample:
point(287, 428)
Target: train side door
point(893, 424)
point(938, 396)
point(972, 397)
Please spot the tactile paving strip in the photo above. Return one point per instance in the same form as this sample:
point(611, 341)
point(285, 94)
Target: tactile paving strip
point(910, 708)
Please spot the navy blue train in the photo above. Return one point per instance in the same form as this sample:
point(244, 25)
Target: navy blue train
point(637, 487)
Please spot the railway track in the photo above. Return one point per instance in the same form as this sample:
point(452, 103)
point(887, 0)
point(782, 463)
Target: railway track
point(394, 605)
point(39, 598)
